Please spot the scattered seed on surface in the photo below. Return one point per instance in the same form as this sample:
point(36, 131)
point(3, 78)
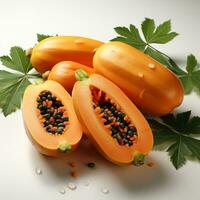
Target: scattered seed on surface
point(74, 174)
point(91, 165)
point(105, 190)
point(62, 191)
point(72, 164)
point(150, 164)
point(71, 186)
point(38, 171)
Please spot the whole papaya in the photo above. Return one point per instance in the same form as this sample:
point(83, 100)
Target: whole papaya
point(52, 50)
point(64, 73)
point(149, 84)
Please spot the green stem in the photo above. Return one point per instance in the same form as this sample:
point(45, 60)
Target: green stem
point(138, 158)
point(64, 146)
point(81, 75)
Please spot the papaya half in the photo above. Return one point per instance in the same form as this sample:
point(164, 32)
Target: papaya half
point(49, 119)
point(64, 73)
point(52, 50)
point(151, 86)
point(109, 118)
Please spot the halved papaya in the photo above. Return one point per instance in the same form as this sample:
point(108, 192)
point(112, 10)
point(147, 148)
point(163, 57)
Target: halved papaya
point(52, 50)
point(49, 119)
point(64, 73)
point(111, 120)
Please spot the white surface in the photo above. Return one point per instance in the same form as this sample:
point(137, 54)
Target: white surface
point(19, 22)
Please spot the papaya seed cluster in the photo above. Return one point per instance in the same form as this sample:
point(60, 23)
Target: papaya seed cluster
point(52, 113)
point(114, 119)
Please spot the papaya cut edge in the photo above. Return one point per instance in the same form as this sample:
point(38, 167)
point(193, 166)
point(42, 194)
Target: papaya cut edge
point(46, 143)
point(100, 137)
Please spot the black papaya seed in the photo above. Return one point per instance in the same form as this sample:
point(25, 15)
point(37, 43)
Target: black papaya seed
point(60, 125)
point(65, 119)
point(53, 97)
point(59, 131)
point(46, 123)
point(91, 165)
point(48, 129)
point(43, 98)
point(130, 143)
point(59, 120)
point(47, 116)
point(121, 115)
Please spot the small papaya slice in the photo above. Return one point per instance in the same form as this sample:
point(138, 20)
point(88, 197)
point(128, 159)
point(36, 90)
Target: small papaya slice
point(49, 119)
point(64, 73)
point(52, 50)
point(150, 85)
point(112, 122)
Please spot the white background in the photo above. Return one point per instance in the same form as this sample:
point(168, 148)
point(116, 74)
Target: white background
point(19, 23)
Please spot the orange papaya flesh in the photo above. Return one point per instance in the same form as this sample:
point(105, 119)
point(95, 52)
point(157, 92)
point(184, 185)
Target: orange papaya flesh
point(49, 119)
point(52, 50)
point(150, 85)
point(64, 73)
point(112, 122)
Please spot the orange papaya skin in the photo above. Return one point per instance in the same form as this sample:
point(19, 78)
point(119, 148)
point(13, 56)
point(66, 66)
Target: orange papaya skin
point(52, 50)
point(64, 73)
point(49, 144)
point(150, 85)
point(98, 133)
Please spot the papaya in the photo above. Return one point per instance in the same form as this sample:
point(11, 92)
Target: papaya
point(111, 120)
point(50, 120)
point(64, 73)
point(151, 86)
point(52, 50)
